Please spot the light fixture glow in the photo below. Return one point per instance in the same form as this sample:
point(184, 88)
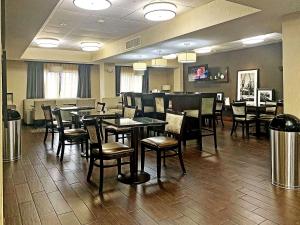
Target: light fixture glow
point(159, 62)
point(160, 11)
point(47, 42)
point(253, 40)
point(203, 50)
point(92, 4)
point(187, 57)
point(90, 46)
point(171, 56)
point(139, 66)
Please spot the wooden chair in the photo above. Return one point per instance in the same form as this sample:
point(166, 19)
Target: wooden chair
point(240, 116)
point(138, 103)
point(171, 141)
point(127, 99)
point(128, 112)
point(219, 111)
point(160, 107)
point(71, 135)
point(51, 124)
point(102, 152)
point(269, 113)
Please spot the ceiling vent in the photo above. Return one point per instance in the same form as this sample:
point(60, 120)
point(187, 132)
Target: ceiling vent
point(133, 43)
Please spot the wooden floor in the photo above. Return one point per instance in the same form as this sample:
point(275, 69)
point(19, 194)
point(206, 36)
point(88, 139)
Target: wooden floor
point(228, 187)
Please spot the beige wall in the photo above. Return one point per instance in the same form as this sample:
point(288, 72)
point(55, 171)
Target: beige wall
point(17, 82)
point(291, 65)
point(107, 80)
point(160, 76)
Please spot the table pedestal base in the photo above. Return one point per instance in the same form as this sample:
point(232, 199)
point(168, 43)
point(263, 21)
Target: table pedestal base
point(139, 178)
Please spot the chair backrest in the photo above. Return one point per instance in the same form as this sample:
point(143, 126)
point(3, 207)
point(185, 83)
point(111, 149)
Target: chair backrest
point(175, 122)
point(159, 102)
point(219, 105)
point(138, 101)
point(128, 99)
point(271, 107)
point(207, 104)
point(129, 112)
point(57, 114)
point(47, 113)
point(93, 129)
point(239, 109)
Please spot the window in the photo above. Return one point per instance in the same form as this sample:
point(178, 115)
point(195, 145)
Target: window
point(60, 80)
point(129, 81)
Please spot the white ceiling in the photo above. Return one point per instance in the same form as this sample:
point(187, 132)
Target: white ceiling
point(73, 25)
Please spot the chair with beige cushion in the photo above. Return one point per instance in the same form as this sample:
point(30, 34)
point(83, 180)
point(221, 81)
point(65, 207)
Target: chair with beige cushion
point(71, 135)
point(128, 112)
point(112, 105)
point(219, 111)
point(38, 113)
point(102, 152)
point(51, 124)
point(240, 116)
point(269, 114)
point(171, 141)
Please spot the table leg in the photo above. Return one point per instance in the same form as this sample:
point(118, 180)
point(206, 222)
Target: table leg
point(137, 177)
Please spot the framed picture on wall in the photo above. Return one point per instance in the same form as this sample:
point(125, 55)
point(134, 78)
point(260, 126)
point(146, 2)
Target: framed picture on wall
point(247, 84)
point(264, 94)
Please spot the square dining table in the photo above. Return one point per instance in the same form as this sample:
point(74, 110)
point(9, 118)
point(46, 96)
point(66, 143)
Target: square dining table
point(136, 177)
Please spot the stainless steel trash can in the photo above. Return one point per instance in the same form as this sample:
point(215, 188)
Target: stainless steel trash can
point(12, 137)
point(285, 147)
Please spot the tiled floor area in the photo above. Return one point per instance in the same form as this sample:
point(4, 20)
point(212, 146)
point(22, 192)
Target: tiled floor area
point(231, 186)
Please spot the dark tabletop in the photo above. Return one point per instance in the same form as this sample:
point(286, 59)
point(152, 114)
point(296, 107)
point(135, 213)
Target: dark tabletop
point(76, 108)
point(136, 122)
point(92, 113)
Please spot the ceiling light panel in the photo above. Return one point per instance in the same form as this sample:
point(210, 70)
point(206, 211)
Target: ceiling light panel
point(160, 11)
point(92, 4)
point(90, 46)
point(47, 42)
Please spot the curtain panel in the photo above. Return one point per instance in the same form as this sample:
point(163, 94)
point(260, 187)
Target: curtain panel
point(118, 80)
point(129, 81)
point(84, 81)
point(35, 80)
point(145, 87)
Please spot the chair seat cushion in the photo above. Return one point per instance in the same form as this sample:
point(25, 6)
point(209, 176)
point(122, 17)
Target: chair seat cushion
point(160, 142)
point(266, 117)
point(192, 113)
point(65, 122)
point(248, 118)
point(117, 129)
point(75, 132)
point(113, 149)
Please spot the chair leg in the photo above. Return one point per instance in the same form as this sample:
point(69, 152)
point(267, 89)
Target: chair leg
point(46, 134)
point(58, 148)
point(247, 130)
point(81, 146)
point(101, 176)
point(62, 151)
point(119, 166)
point(142, 157)
point(232, 129)
point(52, 141)
point(222, 120)
point(92, 160)
point(116, 137)
point(181, 159)
point(200, 131)
point(158, 156)
point(164, 158)
point(215, 133)
point(123, 137)
point(243, 129)
point(87, 149)
point(106, 136)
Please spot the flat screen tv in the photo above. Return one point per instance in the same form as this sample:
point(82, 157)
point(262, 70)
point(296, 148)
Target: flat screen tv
point(196, 73)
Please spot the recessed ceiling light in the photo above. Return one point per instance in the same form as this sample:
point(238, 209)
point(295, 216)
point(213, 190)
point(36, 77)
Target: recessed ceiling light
point(171, 56)
point(90, 46)
point(92, 4)
point(160, 11)
point(62, 24)
point(253, 40)
point(203, 50)
point(100, 21)
point(47, 42)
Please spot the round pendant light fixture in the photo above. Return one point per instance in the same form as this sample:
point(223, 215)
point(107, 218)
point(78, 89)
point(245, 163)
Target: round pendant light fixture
point(160, 11)
point(92, 4)
point(187, 57)
point(90, 46)
point(47, 42)
point(139, 66)
point(159, 62)
point(171, 56)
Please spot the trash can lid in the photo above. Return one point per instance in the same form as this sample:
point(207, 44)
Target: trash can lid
point(285, 122)
point(13, 115)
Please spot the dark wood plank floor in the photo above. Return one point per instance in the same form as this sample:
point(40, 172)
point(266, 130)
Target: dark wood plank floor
point(229, 187)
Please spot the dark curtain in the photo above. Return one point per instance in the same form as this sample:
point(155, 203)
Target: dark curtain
point(35, 80)
point(84, 81)
point(118, 79)
point(145, 87)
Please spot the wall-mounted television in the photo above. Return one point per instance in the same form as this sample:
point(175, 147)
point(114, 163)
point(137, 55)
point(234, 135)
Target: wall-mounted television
point(196, 73)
